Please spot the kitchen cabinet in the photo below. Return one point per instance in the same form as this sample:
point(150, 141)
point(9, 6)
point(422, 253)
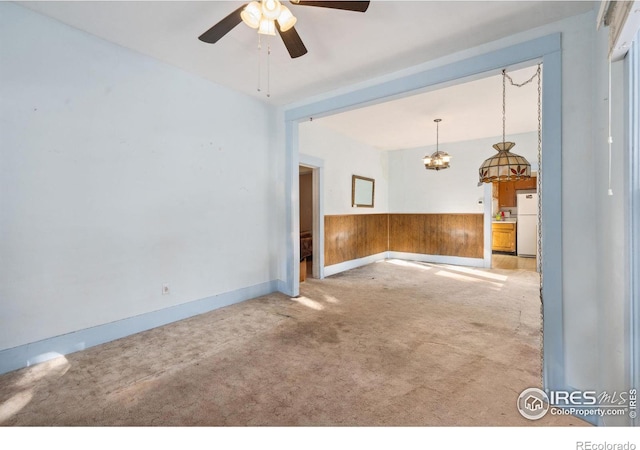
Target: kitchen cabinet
point(529, 183)
point(506, 194)
point(504, 236)
point(507, 191)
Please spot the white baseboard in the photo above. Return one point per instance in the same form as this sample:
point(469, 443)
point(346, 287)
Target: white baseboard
point(352, 264)
point(29, 354)
point(438, 259)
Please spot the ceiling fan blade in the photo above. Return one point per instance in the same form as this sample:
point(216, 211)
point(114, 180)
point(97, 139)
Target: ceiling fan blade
point(292, 41)
point(348, 6)
point(213, 34)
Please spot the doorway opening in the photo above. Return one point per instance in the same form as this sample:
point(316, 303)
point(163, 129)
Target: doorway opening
point(306, 222)
point(546, 50)
point(311, 218)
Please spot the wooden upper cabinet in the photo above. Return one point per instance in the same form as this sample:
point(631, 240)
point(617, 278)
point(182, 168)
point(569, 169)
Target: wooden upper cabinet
point(529, 183)
point(506, 194)
point(507, 191)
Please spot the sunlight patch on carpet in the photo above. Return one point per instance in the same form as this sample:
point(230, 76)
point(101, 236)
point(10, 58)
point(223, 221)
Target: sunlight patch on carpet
point(478, 273)
point(305, 301)
point(468, 279)
point(331, 299)
point(15, 404)
point(57, 366)
point(399, 262)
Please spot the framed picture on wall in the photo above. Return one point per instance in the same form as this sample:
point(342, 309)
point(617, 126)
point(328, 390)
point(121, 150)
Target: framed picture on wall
point(362, 191)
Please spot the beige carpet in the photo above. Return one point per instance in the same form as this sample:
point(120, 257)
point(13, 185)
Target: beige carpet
point(392, 343)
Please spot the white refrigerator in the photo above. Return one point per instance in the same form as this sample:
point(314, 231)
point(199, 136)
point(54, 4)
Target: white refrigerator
point(527, 231)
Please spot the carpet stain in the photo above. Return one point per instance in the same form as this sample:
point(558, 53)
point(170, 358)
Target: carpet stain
point(309, 334)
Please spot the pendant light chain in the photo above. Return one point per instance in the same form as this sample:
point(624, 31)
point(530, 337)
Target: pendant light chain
point(539, 183)
point(504, 103)
point(539, 190)
point(524, 82)
point(539, 179)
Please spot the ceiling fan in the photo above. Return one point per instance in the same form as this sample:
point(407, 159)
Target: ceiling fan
point(269, 16)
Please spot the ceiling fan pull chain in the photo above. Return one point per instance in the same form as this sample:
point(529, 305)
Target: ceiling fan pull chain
point(259, 62)
point(269, 69)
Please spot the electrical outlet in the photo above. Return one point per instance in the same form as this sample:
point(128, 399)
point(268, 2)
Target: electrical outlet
point(165, 289)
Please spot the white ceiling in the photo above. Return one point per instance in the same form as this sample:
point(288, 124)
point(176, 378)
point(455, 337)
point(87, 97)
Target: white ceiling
point(468, 111)
point(344, 48)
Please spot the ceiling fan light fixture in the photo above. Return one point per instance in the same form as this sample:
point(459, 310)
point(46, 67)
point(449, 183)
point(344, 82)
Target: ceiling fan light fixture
point(271, 9)
point(251, 15)
point(267, 27)
point(263, 14)
point(286, 20)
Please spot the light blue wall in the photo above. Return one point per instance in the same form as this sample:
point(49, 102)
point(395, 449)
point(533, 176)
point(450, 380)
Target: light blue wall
point(413, 189)
point(631, 100)
point(612, 245)
point(118, 174)
point(344, 157)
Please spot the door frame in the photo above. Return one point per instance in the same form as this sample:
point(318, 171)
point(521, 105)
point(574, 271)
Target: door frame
point(317, 180)
point(632, 160)
point(548, 51)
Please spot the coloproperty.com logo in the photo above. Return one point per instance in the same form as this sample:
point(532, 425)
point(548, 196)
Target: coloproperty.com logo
point(534, 403)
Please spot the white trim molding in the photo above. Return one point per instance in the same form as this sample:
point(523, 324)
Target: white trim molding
point(354, 263)
point(623, 20)
point(438, 259)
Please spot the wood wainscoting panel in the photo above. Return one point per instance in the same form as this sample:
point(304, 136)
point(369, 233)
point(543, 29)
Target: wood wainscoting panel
point(354, 236)
point(437, 234)
point(373, 234)
point(340, 239)
point(463, 235)
point(432, 227)
point(406, 233)
point(474, 229)
point(451, 235)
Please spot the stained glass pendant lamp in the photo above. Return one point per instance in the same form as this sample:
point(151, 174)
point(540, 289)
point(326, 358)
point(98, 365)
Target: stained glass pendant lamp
point(504, 166)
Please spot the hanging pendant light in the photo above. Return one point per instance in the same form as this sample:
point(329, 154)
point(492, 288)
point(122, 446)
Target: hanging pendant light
point(504, 166)
point(438, 160)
